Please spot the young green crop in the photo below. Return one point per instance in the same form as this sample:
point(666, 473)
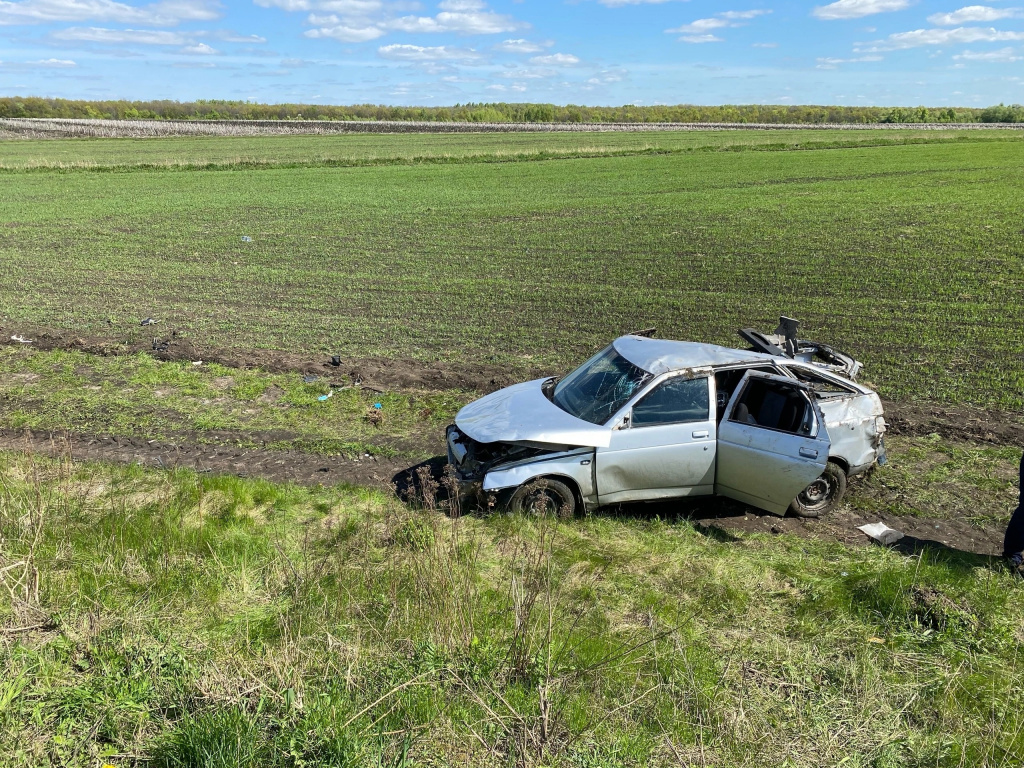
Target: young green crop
point(906, 256)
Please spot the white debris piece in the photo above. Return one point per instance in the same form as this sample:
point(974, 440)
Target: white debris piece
point(21, 339)
point(881, 533)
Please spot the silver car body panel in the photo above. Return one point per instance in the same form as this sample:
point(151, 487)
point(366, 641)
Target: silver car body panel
point(768, 468)
point(523, 413)
point(643, 463)
point(577, 465)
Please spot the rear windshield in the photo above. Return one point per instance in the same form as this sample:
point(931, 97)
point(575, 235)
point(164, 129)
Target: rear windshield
point(597, 389)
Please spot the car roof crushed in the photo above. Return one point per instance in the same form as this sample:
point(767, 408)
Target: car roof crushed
point(660, 356)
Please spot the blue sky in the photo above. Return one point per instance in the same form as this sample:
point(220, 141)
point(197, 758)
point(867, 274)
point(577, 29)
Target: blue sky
point(435, 52)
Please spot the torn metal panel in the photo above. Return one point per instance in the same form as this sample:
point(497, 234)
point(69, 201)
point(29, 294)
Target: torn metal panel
point(856, 426)
point(575, 465)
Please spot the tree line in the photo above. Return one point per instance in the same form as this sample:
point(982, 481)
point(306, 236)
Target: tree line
point(501, 112)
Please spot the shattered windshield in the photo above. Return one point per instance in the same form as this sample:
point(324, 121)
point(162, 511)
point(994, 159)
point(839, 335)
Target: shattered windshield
point(597, 389)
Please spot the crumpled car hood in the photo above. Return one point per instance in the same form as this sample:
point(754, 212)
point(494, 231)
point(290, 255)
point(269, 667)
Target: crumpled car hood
point(523, 413)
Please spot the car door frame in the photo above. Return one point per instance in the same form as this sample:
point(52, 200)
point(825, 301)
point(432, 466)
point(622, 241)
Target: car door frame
point(760, 465)
point(622, 422)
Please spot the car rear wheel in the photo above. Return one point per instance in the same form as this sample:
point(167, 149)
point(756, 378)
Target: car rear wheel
point(823, 495)
point(545, 496)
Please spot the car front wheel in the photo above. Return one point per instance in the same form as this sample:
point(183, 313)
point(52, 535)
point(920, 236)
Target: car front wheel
point(544, 496)
point(823, 495)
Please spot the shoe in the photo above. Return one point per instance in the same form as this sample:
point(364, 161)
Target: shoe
point(1016, 563)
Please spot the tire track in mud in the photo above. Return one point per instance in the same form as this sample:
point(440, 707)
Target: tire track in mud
point(718, 518)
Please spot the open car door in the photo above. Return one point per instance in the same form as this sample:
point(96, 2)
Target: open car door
point(772, 442)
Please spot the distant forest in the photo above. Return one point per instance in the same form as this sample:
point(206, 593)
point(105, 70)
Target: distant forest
point(501, 112)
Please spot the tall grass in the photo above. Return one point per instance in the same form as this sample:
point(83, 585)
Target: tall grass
point(179, 620)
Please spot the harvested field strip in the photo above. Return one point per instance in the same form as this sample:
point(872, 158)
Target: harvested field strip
point(307, 149)
point(583, 152)
point(66, 128)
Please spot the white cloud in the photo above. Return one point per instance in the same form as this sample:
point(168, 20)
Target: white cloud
point(401, 52)
point(231, 37)
point(972, 13)
point(166, 13)
point(343, 32)
point(960, 35)
point(200, 49)
point(699, 31)
point(620, 3)
point(528, 73)
point(461, 22)
point(1005, 55)
point(830, 63)
point(137, 36)
point(855, 9)
point(517, 87)
point(520, 46)
point(54, 63)
point(734, 15)
point(556, 60)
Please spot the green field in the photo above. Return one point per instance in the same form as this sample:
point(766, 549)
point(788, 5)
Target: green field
point(180, 619)
point(908, 256)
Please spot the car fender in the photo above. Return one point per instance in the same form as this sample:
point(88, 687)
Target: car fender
point(577, 466)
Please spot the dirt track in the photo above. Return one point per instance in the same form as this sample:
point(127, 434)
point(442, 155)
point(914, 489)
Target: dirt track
point(719, 517)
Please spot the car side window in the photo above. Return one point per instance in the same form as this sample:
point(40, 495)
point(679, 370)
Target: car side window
point(773, 405)
point(675, 401)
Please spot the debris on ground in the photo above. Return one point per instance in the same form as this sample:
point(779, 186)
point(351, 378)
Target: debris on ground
point(881, 533)
point(197, 362)
point(246, 239)
point(324, 397)
point(149, 321)
point(310, 379)
point(336, 360)
point(21, 339)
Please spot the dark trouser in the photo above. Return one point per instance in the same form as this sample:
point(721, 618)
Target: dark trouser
point(1014, 541)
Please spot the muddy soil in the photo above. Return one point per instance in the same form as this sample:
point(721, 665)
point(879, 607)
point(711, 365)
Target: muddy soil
point(277, 466)
point(380, 373)
point(904, 418)
point(720, 518)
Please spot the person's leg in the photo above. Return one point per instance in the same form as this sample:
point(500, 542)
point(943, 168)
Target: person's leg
point(1013, 544)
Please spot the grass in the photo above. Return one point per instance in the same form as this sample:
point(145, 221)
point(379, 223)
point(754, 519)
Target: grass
point(185, 620)
point(906, 255)
point(137, 395)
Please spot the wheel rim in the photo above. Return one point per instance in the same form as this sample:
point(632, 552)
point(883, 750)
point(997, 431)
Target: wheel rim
point(543, 500)
point(818, 494)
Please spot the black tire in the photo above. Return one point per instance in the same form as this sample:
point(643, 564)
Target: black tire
point(823, 495)
point(544, 496)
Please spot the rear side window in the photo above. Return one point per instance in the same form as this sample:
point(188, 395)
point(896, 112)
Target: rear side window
point(675, 401)
point(772, 405)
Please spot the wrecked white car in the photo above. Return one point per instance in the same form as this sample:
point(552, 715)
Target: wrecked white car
point(780, 427)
